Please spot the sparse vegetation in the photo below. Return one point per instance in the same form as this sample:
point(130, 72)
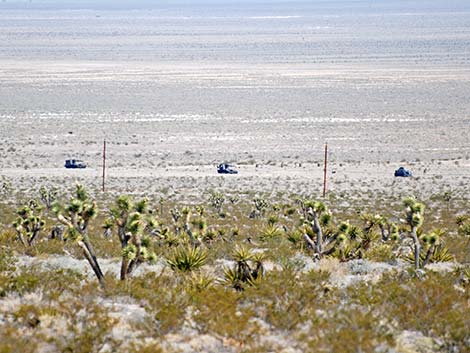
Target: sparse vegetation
point(245, 281)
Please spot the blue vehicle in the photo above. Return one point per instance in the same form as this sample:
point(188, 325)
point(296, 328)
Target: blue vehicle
point(74, 164)
point(225, 168)
point(402, 172)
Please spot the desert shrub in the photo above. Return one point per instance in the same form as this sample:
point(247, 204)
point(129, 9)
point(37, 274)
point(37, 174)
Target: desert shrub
point(163, 297)
point(438, 308)
point(28, 315)
point(381, 252)
point(90, 326)
point(349, 330)
point(221, 312)
point(13, 339)
point(51, 282)
point(287, 299)
point(144, 347)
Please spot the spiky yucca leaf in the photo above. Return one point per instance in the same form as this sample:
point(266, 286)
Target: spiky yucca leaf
point(354, 232)
point(270, 232)
point(242, 254)
point(75, 206)
point(440, 253)
point(325, 219)
point(108, 223)
point(141, 206)
point(81, 193)
point(232, 279)
point(409, 201)
point(295, 237)
point(152, 258)
point(187, 259)
point(129, 252)
point(201, 281)
point(343, 227)
point(73, 234)
point(124, 203)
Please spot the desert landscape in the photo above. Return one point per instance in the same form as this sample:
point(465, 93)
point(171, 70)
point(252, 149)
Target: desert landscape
point(175, 89)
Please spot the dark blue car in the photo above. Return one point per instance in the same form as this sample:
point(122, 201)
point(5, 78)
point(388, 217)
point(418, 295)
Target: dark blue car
point(74, 164)
point(402, 172)
point(225, 168)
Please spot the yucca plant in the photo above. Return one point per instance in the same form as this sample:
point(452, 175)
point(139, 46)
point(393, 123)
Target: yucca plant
point(295, 237)
point(248, 268)
point(76, 216)
point(176, 216)
point(187, 259)
point(29, 223)
point(345, 252)
point(200, 281)
point(271, 232)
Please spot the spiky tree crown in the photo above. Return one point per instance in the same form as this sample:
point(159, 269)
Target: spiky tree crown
point(414, 212)
point(79, 211)
point(29, 222)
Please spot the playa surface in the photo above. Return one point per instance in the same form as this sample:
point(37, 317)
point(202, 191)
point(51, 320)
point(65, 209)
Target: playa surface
point(175, 91)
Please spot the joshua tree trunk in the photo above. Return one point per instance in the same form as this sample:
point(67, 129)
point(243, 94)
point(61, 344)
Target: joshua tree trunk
point(317, 229)
point(91, 258)
point(33, 237)
point(21, 237)
point(194, 242)
point(124, 267)
point(384, 232)
point(417, 247)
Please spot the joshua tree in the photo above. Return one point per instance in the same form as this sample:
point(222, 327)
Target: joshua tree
point(176, 215)
point(133, 222)
point(48, 196)
point(316, 214)
point(434, 249)
point(414, 219)
point(29, 223)
point(217, 200)
point(76, 216)
point(187, 219)
point(387, 229)
point(260, 207)
point(463, 222)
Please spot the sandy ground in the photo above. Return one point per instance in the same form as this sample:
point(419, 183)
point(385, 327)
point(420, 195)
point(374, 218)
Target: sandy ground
point(175, 152)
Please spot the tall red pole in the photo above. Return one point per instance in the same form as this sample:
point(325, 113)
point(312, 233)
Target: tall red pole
point(104, 163)
point(324, 170)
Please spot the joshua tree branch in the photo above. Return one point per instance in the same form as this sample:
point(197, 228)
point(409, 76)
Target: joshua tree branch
point(310, 242)
point(91, 258)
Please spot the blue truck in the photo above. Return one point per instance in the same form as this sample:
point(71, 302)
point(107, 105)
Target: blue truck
point(75, 164)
